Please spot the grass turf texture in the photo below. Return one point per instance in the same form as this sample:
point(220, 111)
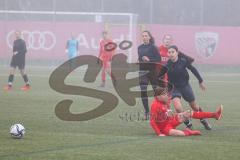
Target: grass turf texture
point(110, 137)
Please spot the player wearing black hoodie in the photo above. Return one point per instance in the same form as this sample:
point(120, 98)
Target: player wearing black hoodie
point(178, 75)
point(148, 55)
point(18, 60)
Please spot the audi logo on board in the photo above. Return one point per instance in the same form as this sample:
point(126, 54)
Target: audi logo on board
point(36, 40)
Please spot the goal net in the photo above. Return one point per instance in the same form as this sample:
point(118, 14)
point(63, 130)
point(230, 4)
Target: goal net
point(47, 32)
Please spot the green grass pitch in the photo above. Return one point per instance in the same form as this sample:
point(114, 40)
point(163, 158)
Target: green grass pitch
point(109, 137)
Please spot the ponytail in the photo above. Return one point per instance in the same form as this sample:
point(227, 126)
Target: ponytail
point(188, 58)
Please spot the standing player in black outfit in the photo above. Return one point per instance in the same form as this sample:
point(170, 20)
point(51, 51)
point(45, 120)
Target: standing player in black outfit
point(147, 53)
point(18, 60)
point(178, 75)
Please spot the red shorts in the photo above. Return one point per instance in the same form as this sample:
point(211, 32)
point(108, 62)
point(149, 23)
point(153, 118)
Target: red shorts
point(106, 57)
point(171, 124)
point(106, 64)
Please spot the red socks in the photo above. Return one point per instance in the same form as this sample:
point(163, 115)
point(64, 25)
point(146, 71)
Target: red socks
point(201, 115)
point(186, 132)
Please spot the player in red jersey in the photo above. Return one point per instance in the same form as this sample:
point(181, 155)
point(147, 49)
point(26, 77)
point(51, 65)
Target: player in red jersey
point(163, 49)
point(164, 121)
point(106, 57)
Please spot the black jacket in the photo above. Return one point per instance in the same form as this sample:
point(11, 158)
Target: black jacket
point(149, 50)
point(178, 74)
point(19, 46)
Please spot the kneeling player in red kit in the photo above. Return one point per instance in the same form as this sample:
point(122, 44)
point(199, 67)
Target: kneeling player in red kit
point(164, 121)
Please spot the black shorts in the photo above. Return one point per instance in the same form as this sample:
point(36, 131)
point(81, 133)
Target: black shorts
point(18, 61)
point(185, 92)
point(146, 78)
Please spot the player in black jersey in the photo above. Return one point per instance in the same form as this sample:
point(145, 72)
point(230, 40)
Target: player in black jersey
point(178, 75)
point(18, 60)
point(148, 55)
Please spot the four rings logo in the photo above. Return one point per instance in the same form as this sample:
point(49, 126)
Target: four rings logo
point(35, 40)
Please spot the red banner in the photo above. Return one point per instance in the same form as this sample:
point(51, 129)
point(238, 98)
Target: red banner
point(46, 40)
point(208, 45)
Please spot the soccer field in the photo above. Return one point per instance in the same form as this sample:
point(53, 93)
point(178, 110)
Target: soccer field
point(112, 136)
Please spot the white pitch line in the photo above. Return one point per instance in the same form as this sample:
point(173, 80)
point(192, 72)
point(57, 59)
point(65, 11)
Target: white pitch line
point(211, 81)
point(76, 76)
